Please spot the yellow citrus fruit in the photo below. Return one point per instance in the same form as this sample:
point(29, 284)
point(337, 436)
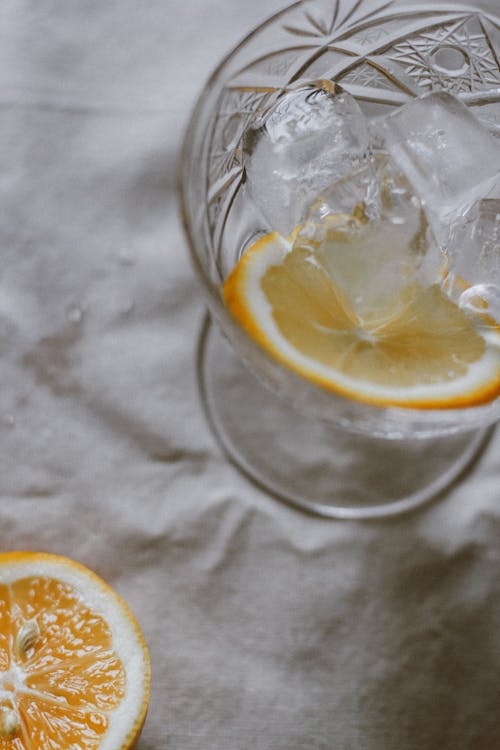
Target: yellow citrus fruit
point(74, 666)
point(420, 350)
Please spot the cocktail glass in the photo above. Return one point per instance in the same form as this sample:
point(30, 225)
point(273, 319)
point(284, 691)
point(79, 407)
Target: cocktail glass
point(319, 451)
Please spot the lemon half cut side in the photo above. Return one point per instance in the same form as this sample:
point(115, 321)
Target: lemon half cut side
point(421, 351)
point(74, 666)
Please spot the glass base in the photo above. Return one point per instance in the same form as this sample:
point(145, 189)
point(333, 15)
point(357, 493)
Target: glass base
point(312, 464)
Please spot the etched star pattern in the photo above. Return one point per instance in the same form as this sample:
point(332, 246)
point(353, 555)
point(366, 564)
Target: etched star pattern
point(344, 16)
point(238, 109)
point(372, 36)
point(417, 58)
point(369, 77)
point(468, 35)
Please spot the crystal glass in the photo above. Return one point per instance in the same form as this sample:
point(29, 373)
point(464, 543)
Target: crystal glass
point(317, 450)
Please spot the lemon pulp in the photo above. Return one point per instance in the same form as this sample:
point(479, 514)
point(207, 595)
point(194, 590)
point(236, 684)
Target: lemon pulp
point(420, 350)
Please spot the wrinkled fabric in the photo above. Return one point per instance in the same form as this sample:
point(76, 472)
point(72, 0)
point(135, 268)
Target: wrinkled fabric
point(268, 628)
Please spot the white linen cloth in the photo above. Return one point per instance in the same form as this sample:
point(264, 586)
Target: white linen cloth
point(268, 628)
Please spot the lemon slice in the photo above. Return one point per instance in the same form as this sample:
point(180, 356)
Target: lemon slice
point(419, 351)
point(74, 666)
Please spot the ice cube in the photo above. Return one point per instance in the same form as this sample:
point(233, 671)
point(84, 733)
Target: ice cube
point(312, 136)
point(474, 258)
point(450, 158)
point(370, 232)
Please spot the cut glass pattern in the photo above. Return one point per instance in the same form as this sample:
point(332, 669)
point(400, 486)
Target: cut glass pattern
point(382, 53)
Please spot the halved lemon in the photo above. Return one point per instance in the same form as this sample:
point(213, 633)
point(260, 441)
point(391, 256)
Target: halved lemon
point(74, 666)
point(419, 351)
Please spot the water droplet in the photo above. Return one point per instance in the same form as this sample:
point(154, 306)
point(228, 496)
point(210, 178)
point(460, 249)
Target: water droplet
point(125, 258)
point(74, 314)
